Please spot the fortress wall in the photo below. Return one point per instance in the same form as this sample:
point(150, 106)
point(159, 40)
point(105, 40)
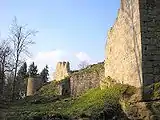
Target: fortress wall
point(150, 30)
point(76, 83)
point(123, 48)
point(64, 87)
point(62, 70)
point(86, 79)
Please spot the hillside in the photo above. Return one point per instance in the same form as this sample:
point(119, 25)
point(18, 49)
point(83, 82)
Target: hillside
point(94, 104)
point(114, 101)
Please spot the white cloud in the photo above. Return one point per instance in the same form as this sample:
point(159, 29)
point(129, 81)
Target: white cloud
point(51, 58)
point(82, 56)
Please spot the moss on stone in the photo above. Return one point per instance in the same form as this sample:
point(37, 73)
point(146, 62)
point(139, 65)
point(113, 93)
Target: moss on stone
point(91, 68)
point(151, 92)
point(107, 82)
point(156, 90)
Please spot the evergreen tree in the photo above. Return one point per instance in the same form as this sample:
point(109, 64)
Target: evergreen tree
point(21, 82)
point(23, 71)
point(44, 74)
point(32, 71)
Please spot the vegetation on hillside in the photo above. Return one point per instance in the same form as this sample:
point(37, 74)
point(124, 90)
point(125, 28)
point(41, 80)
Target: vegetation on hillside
point(93, 104)
point(13, 52)
point(152, 92)
point(49, 89)
point(90, 68)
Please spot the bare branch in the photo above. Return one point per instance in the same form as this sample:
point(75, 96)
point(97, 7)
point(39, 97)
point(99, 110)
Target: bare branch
point(83, 64)
point(21, 38)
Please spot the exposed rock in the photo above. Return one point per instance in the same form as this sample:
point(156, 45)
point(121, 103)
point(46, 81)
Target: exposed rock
point(107, 82)
point(137, 109)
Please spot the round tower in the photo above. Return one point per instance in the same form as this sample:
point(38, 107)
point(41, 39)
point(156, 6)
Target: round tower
point(34, 83)
point(31, 86)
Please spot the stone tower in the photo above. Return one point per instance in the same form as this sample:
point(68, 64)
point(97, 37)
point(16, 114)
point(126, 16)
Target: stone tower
point(133, 44)
point(62, 70)
point(34, 83)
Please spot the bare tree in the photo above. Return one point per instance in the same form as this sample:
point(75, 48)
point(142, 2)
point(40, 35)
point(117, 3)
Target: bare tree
point(5, 62)
point(83, 64)
point(21, 37)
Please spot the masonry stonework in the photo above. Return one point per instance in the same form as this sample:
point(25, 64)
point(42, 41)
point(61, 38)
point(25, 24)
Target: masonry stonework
point(86, 79)
point(34, 83)
point(150, 35)
point(62, 70)
point(123, 49)
point(133, 44)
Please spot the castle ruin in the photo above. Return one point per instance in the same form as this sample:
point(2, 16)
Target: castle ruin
point(34, 83)
point(133, 44)
point(62, 70)
point(61, 74)
point(132, 54)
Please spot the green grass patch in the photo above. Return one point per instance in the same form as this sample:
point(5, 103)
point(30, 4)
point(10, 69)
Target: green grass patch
point(91, 104)
point(48, 89)
point(91, 68)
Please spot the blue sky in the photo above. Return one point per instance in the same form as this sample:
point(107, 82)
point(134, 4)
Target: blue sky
point(71, 30)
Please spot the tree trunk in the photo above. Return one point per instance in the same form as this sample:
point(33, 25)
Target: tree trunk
point(14, 80)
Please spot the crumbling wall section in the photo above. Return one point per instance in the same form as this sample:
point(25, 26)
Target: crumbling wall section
point(87, 78)
point(64, 87)
point(62, 70)
point(123, 54)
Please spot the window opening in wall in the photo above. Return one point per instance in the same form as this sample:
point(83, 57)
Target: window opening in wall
point(145, 48)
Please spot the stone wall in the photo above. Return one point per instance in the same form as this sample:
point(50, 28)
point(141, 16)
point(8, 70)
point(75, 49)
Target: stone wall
point(150, 35)
point(64, 87)
point(133, 44)
point(62, 70)
point(34, 83)
point(123, 48)
point(86, 79)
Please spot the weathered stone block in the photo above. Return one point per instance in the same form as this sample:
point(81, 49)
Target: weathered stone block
point(147, 64)
point(148, 79)
point(157, 78)
point(148, 70)
point(156, 70)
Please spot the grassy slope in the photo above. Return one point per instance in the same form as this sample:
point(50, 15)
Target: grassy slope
point(90, 68)
point(90, 104)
